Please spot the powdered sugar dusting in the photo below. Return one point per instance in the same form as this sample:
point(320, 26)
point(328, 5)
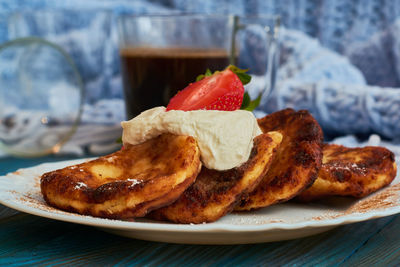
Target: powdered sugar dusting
point(134, 181)
point(111, 159)
point(80, 185)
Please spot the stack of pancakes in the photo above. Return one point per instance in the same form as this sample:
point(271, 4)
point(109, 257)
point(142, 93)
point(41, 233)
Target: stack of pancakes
point(163, 178)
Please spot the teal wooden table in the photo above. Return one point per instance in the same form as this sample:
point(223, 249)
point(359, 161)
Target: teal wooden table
point(30, 240)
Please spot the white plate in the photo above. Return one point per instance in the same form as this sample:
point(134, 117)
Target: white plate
point(21, 191)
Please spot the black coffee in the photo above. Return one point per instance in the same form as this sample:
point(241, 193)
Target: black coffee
point(152, 76)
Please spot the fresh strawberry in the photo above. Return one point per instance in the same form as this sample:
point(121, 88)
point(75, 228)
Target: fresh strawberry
point(222, 90)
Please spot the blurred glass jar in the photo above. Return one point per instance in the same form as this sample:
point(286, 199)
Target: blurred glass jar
point(41, 97)
point(88, 36)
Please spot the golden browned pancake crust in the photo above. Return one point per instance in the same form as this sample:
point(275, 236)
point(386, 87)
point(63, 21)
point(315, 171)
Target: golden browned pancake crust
point(355, 172)
point(128, 183)
point(297, 162)
point(215, 193)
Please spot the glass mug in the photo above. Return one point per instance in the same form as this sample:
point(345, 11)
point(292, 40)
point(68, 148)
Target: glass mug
point(161, 55)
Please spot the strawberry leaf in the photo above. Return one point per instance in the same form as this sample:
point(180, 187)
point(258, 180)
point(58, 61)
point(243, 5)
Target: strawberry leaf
point(236, 69)
point(249, 104)
point(202, 76)
point(241, 73)
point(244, 78)
point(246, 101)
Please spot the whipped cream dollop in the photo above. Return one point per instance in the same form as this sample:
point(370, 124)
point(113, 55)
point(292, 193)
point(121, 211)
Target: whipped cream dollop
point(225, 138)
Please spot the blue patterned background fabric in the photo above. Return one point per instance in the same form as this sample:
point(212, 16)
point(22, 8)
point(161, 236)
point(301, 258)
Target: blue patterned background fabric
point(339, 59)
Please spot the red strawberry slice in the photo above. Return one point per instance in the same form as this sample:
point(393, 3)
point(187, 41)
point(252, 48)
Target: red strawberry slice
point(220, 91)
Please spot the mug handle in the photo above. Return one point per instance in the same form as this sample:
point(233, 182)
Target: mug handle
point(272, 50)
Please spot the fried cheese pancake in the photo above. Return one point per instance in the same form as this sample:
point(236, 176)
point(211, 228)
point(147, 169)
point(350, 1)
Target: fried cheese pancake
point(215, 193)
point(355, 172)
point(297, 162)
point(128, 183)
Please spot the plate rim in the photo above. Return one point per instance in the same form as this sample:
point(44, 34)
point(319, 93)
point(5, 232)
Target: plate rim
point(183, 228)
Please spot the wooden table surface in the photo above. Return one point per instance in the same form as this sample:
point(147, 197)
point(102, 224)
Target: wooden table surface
point(30, 240)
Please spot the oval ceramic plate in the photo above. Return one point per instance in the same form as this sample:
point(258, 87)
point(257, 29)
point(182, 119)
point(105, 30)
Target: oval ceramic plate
point(21, 191)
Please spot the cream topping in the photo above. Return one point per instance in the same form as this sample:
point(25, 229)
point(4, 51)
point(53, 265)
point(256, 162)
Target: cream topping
point(225, 138)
